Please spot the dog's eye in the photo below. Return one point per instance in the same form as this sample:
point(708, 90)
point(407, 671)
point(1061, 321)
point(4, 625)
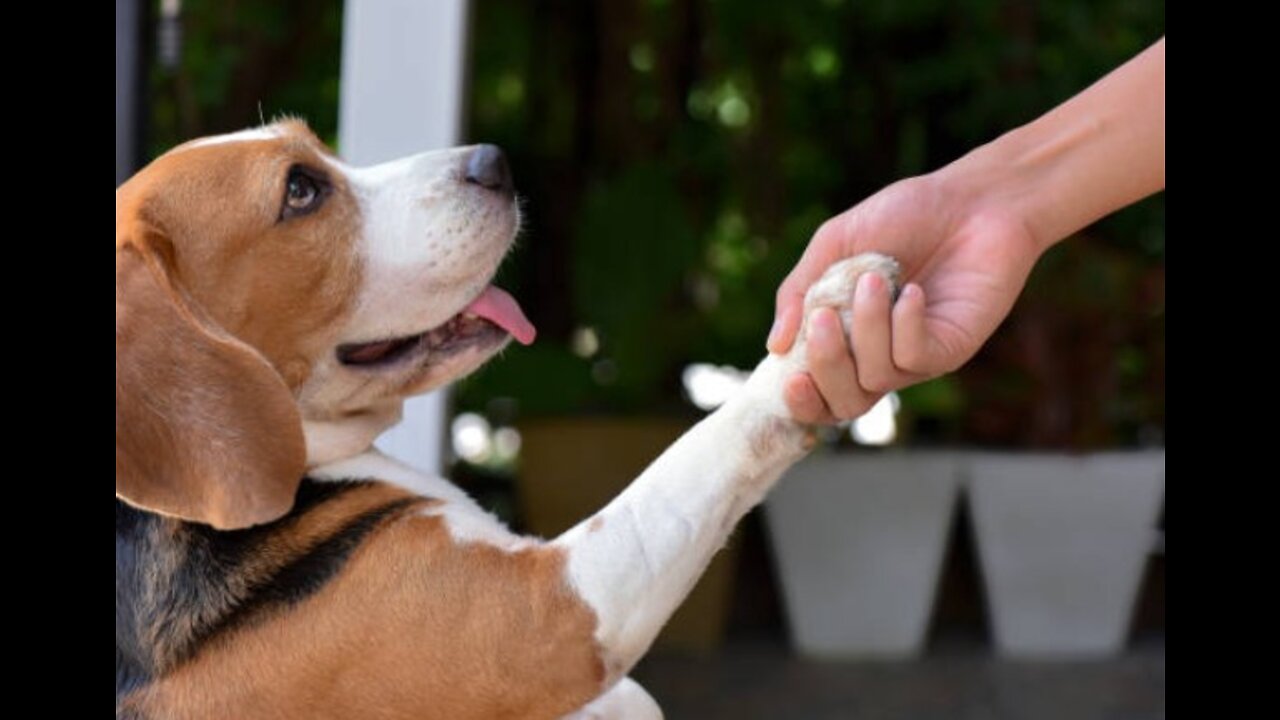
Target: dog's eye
point(303, 194)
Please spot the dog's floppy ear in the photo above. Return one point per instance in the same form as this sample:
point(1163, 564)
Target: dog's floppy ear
point(206, 429)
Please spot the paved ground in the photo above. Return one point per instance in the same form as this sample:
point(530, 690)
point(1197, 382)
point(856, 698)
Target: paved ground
point(959, 680)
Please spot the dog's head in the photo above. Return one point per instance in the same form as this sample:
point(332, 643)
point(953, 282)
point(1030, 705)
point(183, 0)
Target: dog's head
point(274, 307)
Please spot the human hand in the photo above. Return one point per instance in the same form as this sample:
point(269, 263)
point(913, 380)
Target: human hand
point(966, 237)
point(964, 259)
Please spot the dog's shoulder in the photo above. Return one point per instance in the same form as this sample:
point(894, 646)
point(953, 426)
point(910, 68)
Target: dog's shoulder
point(181, 584)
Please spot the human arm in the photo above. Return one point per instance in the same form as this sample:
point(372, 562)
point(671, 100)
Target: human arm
point(967, 236)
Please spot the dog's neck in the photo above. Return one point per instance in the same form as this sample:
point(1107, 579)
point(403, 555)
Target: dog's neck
point(341, 438)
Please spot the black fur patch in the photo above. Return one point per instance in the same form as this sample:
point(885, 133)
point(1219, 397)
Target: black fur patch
point(178, 584)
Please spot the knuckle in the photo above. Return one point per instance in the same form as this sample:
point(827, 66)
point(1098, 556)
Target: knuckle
point(813, 417)
point(846, 414)
point(828, 231)
point(797, 407)
point(910, 359)
point(878, 384)
point(950, 364)
point(848, 405)
point(811, 411)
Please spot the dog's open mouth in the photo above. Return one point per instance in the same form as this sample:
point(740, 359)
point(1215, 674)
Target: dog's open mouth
point(489, 318)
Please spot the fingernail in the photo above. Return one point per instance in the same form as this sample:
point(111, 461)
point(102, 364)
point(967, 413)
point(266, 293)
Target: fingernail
point(867, 286)
point(818, 327)
point(773, 344)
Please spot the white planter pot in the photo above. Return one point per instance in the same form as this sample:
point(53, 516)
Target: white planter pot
point(859, 541)
point(1063, 542)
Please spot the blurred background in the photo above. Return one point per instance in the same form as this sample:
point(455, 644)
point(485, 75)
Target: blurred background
point(988, 544)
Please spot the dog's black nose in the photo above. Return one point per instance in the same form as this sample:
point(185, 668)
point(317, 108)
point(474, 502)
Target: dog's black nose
point(487, 167)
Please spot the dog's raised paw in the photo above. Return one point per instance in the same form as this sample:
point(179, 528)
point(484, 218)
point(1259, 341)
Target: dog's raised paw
point(835, 288)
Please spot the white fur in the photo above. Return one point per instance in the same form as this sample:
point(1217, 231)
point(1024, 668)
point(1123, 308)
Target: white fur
point(634, 562)
point(430, 243)
point(267, 132)
point(466, 521)
point(624, 701)
point(637, 559)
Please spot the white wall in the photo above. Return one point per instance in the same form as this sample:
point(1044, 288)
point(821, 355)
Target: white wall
point(403, 68)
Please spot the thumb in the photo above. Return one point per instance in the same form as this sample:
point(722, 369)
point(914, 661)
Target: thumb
point(786, 323)
point(824, 250)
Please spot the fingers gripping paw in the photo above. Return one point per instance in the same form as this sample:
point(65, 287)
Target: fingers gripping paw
point(835, 288)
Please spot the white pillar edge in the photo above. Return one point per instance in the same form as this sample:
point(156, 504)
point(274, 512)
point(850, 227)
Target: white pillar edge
point(403, 75)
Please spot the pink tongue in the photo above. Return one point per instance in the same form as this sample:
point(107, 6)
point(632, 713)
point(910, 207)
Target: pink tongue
point(499, 308)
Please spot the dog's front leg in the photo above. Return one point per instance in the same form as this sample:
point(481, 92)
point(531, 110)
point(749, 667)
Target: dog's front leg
point(637, 559)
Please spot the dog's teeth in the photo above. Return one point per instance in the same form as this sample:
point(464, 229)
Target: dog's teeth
point(469, 316)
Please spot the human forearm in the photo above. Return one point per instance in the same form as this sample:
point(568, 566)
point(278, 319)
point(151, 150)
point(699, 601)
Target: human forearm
point(1099, 151)
point(967, 237)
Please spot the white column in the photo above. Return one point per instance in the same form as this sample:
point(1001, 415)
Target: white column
point(403, 67)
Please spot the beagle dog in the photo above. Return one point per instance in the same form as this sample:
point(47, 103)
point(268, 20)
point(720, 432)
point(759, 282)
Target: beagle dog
point(274, 307)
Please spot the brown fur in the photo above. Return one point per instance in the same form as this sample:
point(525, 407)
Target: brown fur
point(323, 522)
point(220, 313)
point(415, 626)
point(279, 287)
point(227, 598)
point(205, 429)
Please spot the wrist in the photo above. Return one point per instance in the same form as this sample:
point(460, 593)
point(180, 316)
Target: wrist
point(997, 183)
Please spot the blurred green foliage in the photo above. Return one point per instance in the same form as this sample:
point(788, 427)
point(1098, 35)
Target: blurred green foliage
point(244, 60)
point(675, 156)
